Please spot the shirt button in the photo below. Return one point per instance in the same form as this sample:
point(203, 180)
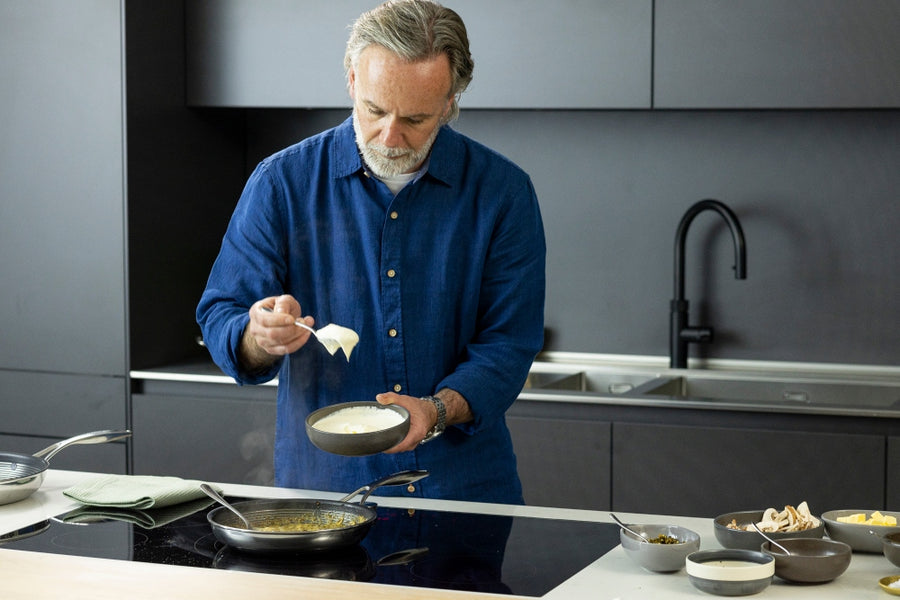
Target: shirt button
point(394, 214)
point(391, 273)
point(392, 332)
point(397, 387)
point(411, 489)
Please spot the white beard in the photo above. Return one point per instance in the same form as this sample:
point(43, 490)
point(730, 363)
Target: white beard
point(390, 162)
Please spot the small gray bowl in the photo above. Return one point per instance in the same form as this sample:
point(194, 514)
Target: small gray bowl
point(730, 572)
point(739, 539)
point(810, 560)
point(357, 444)
point(857, 535)
point(661, 558)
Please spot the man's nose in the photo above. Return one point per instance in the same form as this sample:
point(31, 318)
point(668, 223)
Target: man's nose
point(392, 133)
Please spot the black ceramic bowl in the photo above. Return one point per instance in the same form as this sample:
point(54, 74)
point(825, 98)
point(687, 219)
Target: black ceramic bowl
point(810, 560)
point(364, 443)
point(751, 540)
point(890, 545)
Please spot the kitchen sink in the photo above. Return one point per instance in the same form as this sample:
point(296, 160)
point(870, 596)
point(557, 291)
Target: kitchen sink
point(811, 392)
point(747, 390)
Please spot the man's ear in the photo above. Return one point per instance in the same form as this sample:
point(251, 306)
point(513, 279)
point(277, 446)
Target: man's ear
point(351, 83)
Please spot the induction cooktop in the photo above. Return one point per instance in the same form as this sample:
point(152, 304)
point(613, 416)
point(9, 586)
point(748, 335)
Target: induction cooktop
point(525, 556)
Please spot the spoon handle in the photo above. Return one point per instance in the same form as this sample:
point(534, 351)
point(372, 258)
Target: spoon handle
point(209, 491)
point(641, 537)
point(770, 540)
point(297, 322)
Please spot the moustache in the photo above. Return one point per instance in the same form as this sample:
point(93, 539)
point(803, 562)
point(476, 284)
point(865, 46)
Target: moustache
point(389, 152)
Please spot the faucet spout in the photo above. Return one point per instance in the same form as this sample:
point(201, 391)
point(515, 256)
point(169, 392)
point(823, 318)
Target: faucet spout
point(680, 333)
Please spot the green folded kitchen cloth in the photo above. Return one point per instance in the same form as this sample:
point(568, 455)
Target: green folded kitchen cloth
point(135, 491)
point(148, 519)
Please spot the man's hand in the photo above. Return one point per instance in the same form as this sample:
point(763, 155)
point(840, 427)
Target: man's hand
point(423, 415)
point(271, 335)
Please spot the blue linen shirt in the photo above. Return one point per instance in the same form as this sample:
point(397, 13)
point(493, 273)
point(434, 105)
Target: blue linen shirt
point(444, 282)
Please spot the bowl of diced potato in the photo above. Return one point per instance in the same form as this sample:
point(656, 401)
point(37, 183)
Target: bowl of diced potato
point(862, 530)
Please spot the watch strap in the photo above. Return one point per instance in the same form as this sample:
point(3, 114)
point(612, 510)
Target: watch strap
point(441, 422)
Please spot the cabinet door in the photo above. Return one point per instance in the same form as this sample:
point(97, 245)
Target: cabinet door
point(227, 440)
point(709, 471)
point(776, 54)
point(62, 301)
point(528, 53)
point(60, 406)
point(563, 463)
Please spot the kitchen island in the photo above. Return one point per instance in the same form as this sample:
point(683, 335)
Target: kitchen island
point(38, 575)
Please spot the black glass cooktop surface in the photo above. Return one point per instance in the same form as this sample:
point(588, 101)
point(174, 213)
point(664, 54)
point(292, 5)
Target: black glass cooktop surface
point(421, 548)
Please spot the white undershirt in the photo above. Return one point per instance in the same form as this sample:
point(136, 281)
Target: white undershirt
point(397, 182)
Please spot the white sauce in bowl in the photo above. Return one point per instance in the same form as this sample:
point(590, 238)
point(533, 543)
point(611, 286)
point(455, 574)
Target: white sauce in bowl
point(359, 419)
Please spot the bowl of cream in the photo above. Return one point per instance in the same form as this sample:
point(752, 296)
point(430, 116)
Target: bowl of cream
point(357, 428)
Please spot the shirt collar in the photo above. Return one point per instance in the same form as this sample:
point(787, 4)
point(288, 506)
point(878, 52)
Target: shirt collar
point(345, 155)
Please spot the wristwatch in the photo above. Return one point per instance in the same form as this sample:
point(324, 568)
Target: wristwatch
point(441, 423)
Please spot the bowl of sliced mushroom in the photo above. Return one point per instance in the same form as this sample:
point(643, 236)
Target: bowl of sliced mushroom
point(735, 529)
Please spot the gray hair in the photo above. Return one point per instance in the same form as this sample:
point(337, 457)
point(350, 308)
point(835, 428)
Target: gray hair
point(415, 30)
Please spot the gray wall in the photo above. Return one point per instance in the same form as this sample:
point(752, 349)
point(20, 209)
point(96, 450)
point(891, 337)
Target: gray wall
point(816, 193)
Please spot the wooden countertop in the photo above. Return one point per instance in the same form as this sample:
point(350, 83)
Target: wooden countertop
point(33, 576)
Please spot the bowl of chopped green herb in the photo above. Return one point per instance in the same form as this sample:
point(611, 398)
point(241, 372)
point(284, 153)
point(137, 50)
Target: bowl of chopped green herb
point(662, 549)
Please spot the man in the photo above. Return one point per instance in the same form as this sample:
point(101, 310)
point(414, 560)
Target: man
point(425, 242)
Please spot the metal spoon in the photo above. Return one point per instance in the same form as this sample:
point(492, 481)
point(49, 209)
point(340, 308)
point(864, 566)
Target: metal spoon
point(770, 540)
point(331, 336)
point(640, 536)
point(218, 498)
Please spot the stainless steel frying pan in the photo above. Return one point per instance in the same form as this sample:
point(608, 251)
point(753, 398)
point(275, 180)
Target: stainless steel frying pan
point(328, 524)
point(22, 474)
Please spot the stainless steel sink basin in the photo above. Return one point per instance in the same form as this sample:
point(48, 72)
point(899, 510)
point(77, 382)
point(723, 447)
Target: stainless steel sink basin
point(593, 381)
point(775, 391)
point(539, 380)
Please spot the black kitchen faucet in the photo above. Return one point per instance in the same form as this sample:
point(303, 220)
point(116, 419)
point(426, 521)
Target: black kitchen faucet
point(680, 333)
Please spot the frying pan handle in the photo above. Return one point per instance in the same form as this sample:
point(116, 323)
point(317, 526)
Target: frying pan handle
point(401, 478)
point(94, 437)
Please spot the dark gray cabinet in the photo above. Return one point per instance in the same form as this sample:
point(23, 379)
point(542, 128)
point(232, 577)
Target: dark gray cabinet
point(62, 302)
point(700, 462)
point(776, 54)
point(893, 468)
point(60, 405)
point(705, 54)
point(528, 53)
point(562, 462)
point(706, 471)
point(214, 432)
point(63, 360)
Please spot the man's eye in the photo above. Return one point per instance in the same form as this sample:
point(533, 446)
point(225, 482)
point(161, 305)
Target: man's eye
point(375, 112)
